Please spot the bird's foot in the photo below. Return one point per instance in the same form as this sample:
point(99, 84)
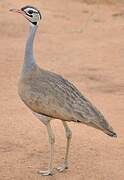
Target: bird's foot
point(46, 173)
point(62, 167)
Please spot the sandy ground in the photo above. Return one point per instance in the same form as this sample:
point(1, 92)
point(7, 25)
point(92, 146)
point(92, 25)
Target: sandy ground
point(85, 43)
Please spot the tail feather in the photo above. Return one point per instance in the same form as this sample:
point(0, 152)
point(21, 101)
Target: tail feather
point(96, 119)
point(110, 132)
point(104, 126)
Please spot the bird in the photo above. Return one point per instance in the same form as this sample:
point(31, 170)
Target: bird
point(50, 96)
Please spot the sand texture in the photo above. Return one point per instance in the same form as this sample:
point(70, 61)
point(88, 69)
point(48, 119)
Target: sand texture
point(84, 42)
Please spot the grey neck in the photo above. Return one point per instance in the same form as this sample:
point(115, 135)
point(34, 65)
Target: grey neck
point(29, 59)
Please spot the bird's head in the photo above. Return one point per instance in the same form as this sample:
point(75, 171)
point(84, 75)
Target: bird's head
point(31, 13)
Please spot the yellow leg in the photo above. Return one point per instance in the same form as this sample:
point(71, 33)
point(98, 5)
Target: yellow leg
point(51, 142)
point(68, 136)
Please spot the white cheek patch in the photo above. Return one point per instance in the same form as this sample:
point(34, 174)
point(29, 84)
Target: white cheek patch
point(36, 17)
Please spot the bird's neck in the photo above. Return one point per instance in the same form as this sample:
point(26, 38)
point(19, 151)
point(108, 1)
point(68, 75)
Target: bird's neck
point(29, 59)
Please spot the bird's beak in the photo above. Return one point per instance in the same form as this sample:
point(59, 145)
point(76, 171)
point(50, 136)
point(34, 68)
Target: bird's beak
point(20, 12)
point(16, 11)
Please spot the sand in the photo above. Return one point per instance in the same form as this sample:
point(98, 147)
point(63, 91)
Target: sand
point(85, 43)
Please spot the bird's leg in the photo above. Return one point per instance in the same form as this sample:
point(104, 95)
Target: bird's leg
point(51, 142)
point(68, 136)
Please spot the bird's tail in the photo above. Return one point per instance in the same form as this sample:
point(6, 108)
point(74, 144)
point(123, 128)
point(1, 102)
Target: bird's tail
point(109, 131)
point(104, 126)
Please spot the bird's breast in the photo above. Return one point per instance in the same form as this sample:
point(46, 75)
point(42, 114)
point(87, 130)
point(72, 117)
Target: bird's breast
point(43, 98)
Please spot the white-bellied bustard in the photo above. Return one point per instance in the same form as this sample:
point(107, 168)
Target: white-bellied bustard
point(49, 95)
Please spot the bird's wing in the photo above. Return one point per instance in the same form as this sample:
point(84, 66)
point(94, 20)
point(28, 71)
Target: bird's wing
point(59, 98)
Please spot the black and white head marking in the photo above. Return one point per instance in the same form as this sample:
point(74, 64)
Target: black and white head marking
point(32, 14)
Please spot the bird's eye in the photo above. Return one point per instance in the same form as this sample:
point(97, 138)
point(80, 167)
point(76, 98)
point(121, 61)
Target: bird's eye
point(30, 12)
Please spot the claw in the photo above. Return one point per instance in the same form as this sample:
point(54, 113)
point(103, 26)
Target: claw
point(46, 173)
point(62, 167)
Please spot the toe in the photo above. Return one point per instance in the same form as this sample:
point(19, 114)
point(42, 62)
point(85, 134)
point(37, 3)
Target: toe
point(46, 173)
point(62, 168)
